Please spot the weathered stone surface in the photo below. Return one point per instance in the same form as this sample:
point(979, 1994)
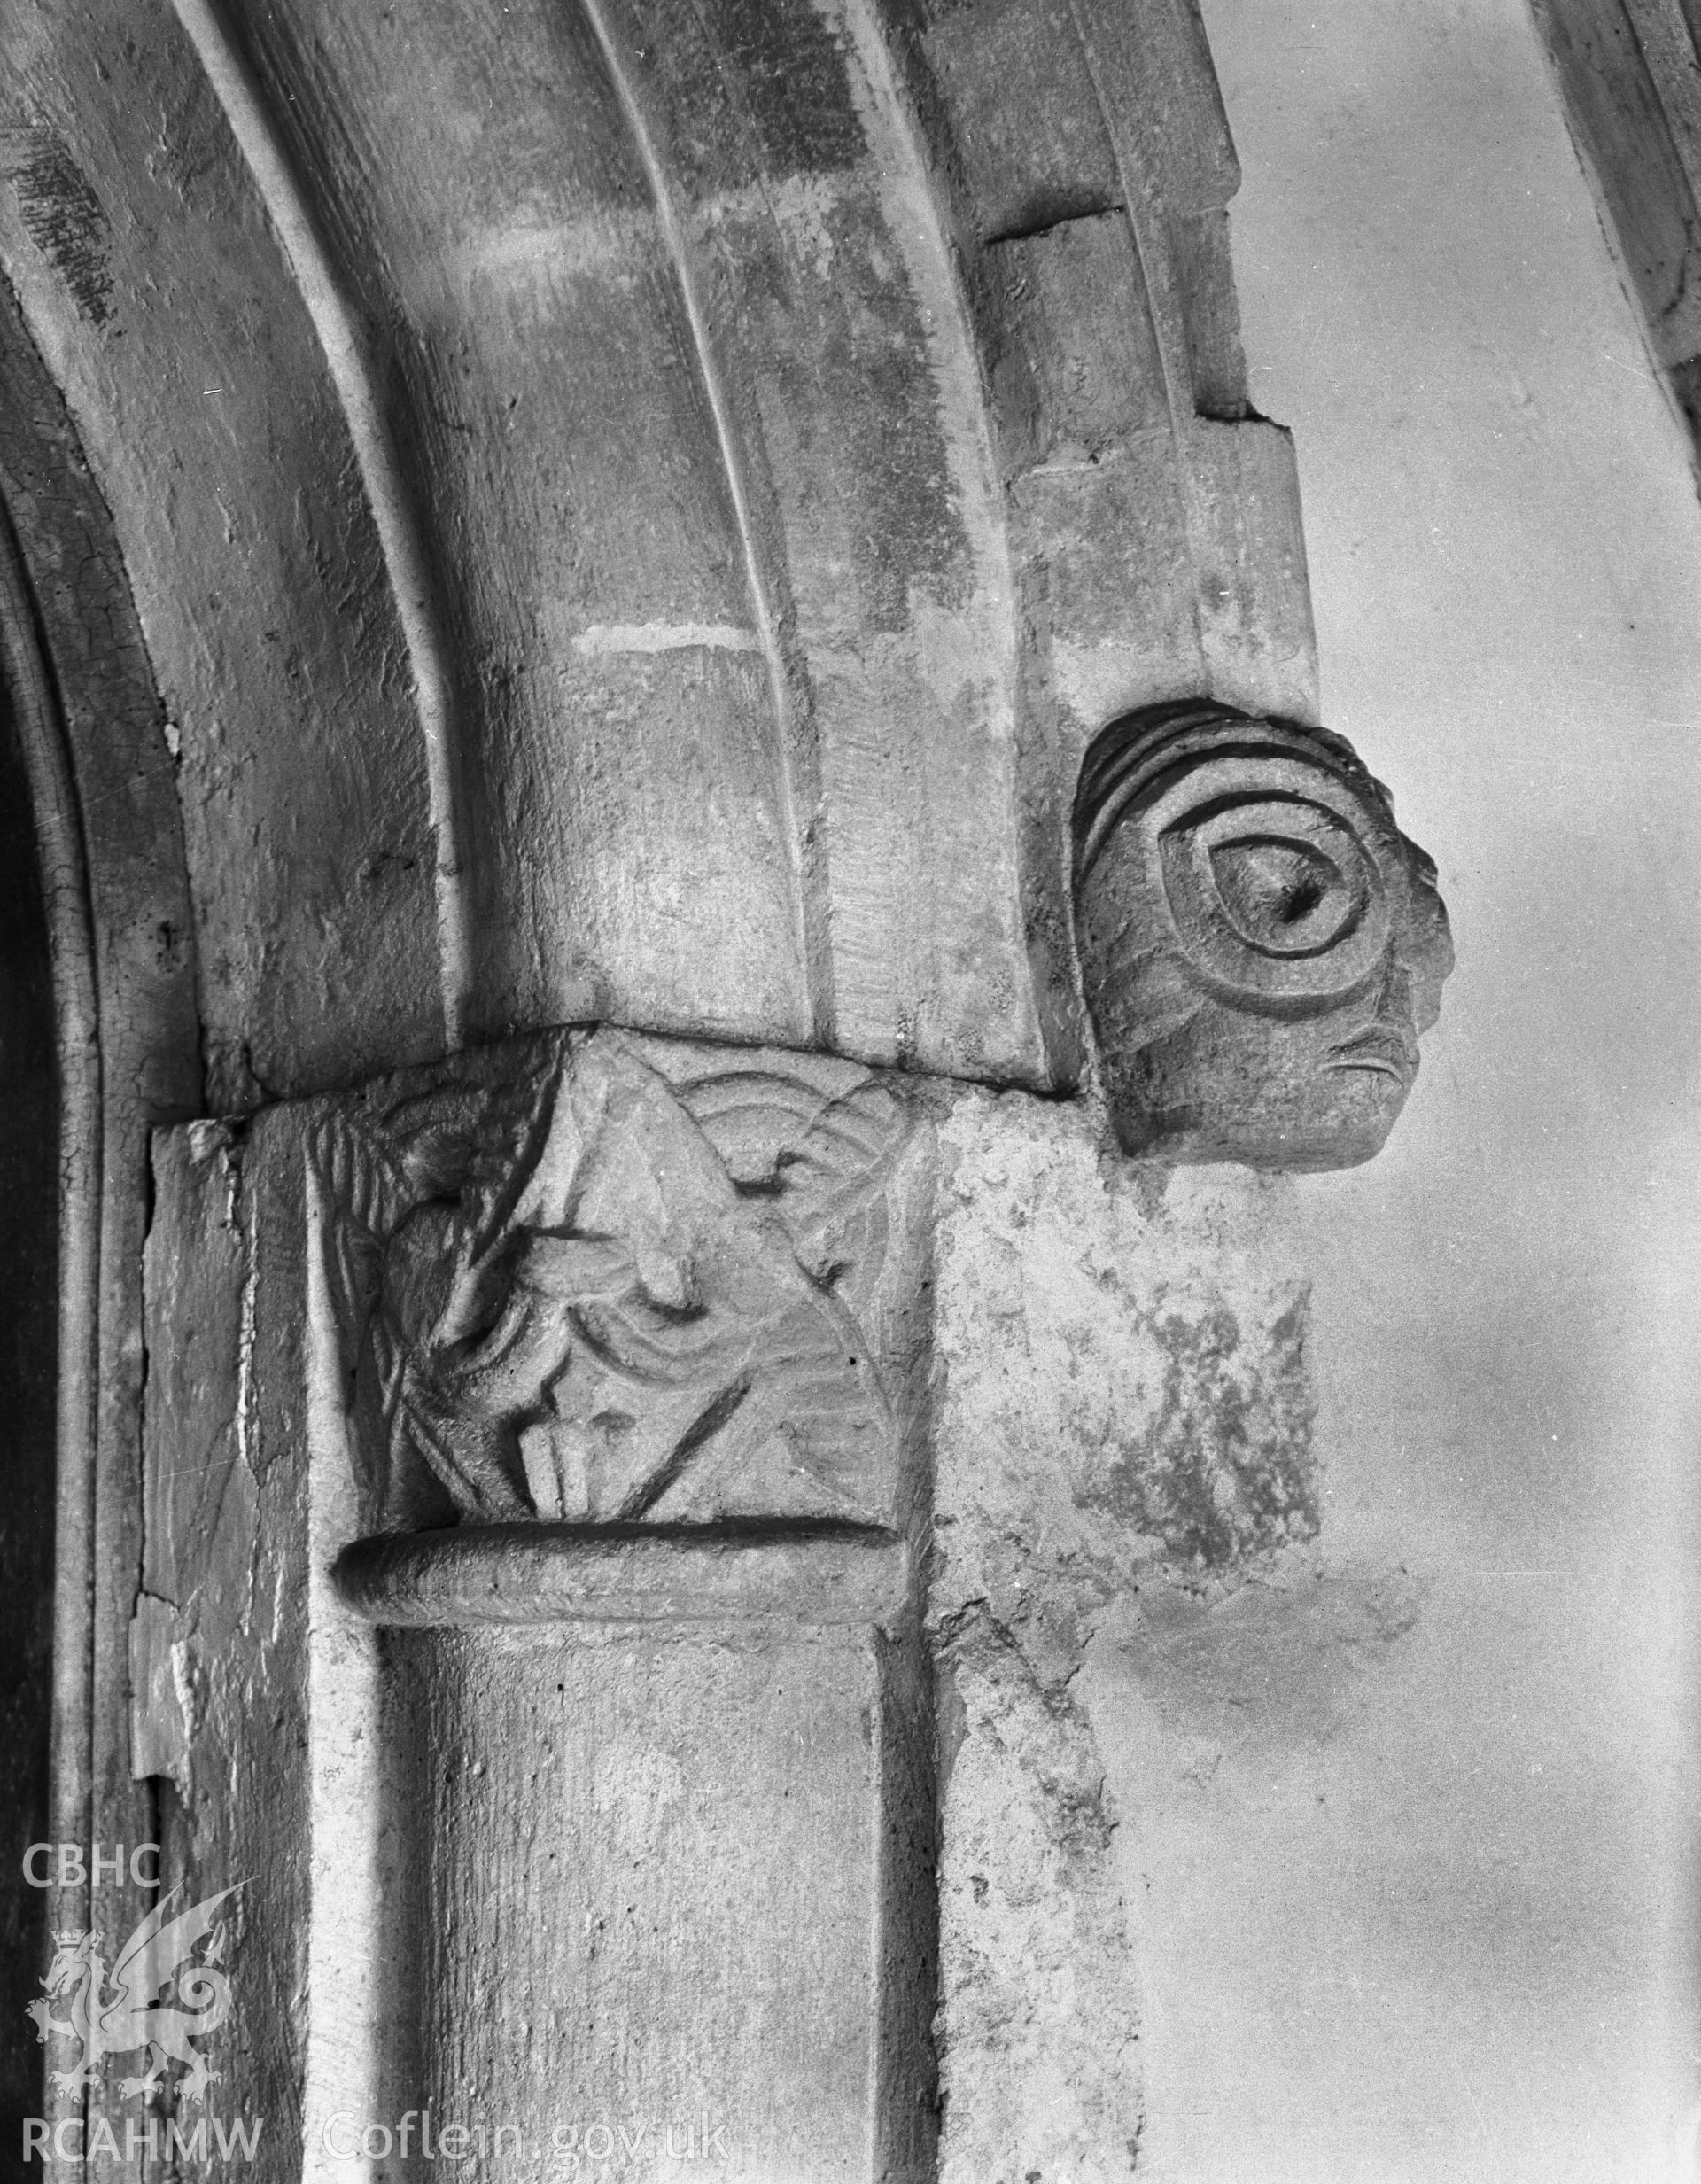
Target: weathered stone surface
point(1124, 1402)
point(1260, 945)
point(1038, 2025)
point(664, 1939)
point(167, 317)
point(222, 1627)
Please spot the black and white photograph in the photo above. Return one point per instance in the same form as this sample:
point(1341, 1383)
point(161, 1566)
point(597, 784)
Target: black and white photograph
point(851, 1091)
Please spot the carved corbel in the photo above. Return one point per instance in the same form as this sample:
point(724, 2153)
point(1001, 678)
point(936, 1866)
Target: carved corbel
point(1261, 946)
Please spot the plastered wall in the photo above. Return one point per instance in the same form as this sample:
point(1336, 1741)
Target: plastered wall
point(1408, 1822)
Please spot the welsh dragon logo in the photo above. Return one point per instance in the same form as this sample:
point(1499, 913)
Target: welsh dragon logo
point(116, 2013)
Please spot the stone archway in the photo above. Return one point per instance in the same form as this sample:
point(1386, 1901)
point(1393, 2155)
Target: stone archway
point(28, 1183)
point(636, 518)
point(101, 1028)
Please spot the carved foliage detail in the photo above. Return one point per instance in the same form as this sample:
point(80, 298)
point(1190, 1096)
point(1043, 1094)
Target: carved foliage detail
point(603, 1290)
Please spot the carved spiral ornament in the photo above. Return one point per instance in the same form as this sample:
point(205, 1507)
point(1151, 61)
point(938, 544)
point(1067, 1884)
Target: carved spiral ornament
point(1260, 944)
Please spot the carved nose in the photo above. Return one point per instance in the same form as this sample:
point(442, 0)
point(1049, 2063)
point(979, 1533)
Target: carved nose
point(1428, 959)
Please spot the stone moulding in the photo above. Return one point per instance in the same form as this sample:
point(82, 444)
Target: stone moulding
point(645, 1576)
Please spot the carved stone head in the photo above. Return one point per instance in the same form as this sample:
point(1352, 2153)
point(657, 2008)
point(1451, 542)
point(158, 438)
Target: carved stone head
point(1260, 945)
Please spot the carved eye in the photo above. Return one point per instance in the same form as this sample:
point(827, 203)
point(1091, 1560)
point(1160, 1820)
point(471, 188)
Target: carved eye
point(1286, 896)
point(1278, 899)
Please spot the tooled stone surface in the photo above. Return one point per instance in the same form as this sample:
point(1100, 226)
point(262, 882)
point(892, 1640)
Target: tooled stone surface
point(1260, 944)
point(620, 1280)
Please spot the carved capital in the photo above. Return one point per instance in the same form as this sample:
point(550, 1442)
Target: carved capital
point(624, 1281)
